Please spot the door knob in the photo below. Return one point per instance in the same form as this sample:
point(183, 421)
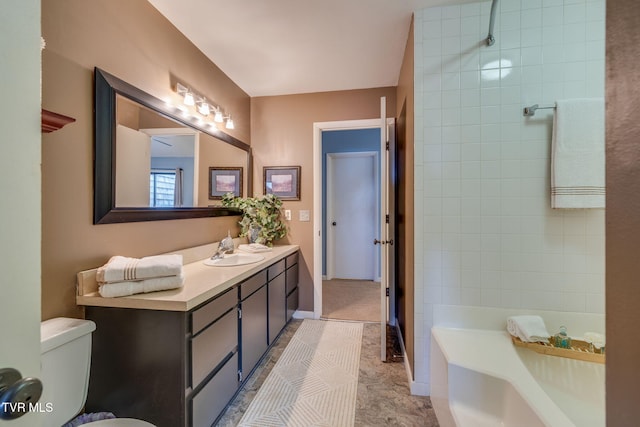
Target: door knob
point(333, 223)
point(17, 394)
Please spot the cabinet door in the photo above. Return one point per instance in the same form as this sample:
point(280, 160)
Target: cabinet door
point(277, 306)
point(292, 303)
point(253, 329)
point(292, 278)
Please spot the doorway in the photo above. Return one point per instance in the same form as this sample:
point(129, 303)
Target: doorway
point(351, 217)
point(386, 127)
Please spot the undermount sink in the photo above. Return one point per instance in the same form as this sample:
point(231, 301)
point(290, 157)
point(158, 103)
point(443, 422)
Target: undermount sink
point(235, 259)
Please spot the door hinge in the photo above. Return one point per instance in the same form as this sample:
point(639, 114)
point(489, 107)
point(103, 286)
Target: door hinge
point(387, 291)
point(239, 376)
point(239, 313)
point(387, 145)
point(386, 218)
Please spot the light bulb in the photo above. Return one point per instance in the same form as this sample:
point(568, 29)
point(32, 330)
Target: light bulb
point(218, 116)
point(188, 99)
point(203, 108)
point(229, 124)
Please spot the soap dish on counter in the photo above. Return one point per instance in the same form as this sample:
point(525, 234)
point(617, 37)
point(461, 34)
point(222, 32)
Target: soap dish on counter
point(580, 350)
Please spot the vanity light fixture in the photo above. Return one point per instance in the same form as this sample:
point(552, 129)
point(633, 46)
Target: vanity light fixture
point(202, 106)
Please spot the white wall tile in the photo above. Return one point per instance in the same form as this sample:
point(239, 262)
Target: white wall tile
point(487, 235)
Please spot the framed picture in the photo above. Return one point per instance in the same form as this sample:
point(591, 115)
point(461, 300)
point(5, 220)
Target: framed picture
point(282, 181)
point(223, 181)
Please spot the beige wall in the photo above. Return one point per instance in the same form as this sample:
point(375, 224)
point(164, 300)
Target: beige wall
point(623, 205)
point(404, 112)
point(131, 40)
point(282, 135)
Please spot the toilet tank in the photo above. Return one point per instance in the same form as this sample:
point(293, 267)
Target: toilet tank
point(66, 356)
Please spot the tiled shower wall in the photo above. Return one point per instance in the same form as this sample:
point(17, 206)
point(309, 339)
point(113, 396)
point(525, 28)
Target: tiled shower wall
point(485, 234)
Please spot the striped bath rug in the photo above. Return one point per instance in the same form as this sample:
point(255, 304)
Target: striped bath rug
point(315, 381)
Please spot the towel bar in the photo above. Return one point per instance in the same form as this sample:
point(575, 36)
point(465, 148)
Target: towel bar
point(531, 111)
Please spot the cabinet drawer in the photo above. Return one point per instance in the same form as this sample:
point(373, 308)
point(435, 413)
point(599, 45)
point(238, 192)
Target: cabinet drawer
point(292, 259)
point(292, 303)
point(212, 345)
point(275, 269)
point(292, 278)
point(252, 284)
point(209, 312)
point(207, 405)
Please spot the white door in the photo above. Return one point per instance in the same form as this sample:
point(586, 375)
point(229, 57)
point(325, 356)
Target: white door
point(384, 240)
point(133, 157)
point(20, 183)
point(352, 214)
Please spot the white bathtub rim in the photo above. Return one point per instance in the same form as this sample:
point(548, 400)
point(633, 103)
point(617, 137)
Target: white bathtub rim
point(514, 372)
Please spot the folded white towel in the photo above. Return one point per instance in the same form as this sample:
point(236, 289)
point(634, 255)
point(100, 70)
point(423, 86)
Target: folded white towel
point(124, 269)
point(254, 248)
point(121, 289)
point(577, 154)
point(528, 328)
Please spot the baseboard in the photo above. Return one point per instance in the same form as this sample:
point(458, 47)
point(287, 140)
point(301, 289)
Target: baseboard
point(299, 314)
point(417, 389)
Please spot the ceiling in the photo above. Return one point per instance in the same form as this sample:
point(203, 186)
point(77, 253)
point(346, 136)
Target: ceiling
point(278, 47)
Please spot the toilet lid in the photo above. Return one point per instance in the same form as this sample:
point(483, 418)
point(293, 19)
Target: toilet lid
point(120, 422)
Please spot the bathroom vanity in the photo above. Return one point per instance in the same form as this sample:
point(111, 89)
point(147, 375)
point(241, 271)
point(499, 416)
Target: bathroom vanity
point(177, 358)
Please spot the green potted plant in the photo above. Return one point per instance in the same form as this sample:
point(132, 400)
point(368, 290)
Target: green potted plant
point(261, 217)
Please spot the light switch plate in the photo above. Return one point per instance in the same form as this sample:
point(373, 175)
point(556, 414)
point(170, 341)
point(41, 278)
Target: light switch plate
point(304, 215)
point(287, 214)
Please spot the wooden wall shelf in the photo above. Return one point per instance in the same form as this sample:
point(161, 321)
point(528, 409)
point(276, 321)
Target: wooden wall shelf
point(53, 121)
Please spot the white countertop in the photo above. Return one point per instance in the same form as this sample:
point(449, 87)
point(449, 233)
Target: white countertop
point(201, 283)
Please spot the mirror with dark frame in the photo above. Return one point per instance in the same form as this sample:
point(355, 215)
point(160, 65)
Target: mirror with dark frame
point(153, 163)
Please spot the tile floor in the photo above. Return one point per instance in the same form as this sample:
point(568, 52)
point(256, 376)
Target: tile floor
point(383, 392)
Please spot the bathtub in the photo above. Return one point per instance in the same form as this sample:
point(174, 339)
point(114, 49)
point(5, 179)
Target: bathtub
point(479, 378)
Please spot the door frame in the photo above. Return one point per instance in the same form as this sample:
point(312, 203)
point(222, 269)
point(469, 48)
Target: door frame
point(330, 273)
point(318, 128)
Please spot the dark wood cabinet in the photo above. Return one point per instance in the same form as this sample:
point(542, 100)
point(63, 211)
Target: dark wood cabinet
point(182, 368)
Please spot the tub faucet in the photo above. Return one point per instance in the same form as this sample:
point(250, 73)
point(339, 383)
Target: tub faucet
point(225, 246)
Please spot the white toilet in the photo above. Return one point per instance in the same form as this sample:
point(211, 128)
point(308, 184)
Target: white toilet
point(66, 357)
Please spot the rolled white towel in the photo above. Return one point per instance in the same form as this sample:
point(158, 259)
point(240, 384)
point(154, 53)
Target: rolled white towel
point(121, 289)
point(529, 328)
point(125, 269)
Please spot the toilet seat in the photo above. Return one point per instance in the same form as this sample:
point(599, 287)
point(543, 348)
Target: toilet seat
point(120, 422)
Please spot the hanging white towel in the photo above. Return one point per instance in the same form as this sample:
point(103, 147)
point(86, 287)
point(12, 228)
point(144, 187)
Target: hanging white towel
point(577, 156)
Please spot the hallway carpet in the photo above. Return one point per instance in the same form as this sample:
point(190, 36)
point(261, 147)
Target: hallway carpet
point(314, 382)
point(351, 300)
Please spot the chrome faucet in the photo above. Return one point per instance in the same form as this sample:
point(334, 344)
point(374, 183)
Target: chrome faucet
point(225, 246)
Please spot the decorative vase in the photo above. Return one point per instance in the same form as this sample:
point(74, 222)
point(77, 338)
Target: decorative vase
point(254, 233)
